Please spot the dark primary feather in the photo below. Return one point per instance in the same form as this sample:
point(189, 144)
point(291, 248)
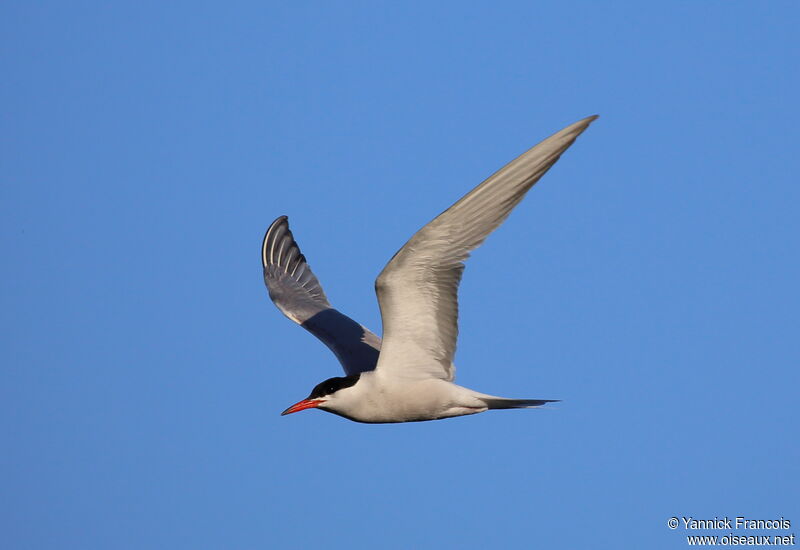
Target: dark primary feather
point(296, 291)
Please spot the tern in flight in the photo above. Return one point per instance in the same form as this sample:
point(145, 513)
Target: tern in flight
point(409, 375)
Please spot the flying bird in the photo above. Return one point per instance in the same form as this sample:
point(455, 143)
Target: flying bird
point(408, 376)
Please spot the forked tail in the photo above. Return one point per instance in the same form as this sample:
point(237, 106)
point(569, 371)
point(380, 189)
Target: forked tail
point(502, 403)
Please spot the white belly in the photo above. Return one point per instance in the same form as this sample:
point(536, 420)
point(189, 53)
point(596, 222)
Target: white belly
point(381, 400)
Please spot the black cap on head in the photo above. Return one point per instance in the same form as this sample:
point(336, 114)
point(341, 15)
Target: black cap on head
point(332, 385)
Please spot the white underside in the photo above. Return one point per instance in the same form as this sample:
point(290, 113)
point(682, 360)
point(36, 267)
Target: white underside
point(377, 398)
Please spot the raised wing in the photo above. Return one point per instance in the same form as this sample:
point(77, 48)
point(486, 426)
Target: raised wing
point(417, 290)
point(298, 294)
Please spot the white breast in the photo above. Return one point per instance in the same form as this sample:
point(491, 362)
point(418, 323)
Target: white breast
point(376, 398)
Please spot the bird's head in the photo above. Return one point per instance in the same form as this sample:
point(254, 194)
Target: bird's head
point(326, 395)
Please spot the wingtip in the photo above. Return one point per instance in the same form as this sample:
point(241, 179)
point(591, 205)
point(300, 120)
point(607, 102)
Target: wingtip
point(280, 220)
point(575, 129)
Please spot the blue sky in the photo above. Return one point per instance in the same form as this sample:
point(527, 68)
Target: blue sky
point(649, 280)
